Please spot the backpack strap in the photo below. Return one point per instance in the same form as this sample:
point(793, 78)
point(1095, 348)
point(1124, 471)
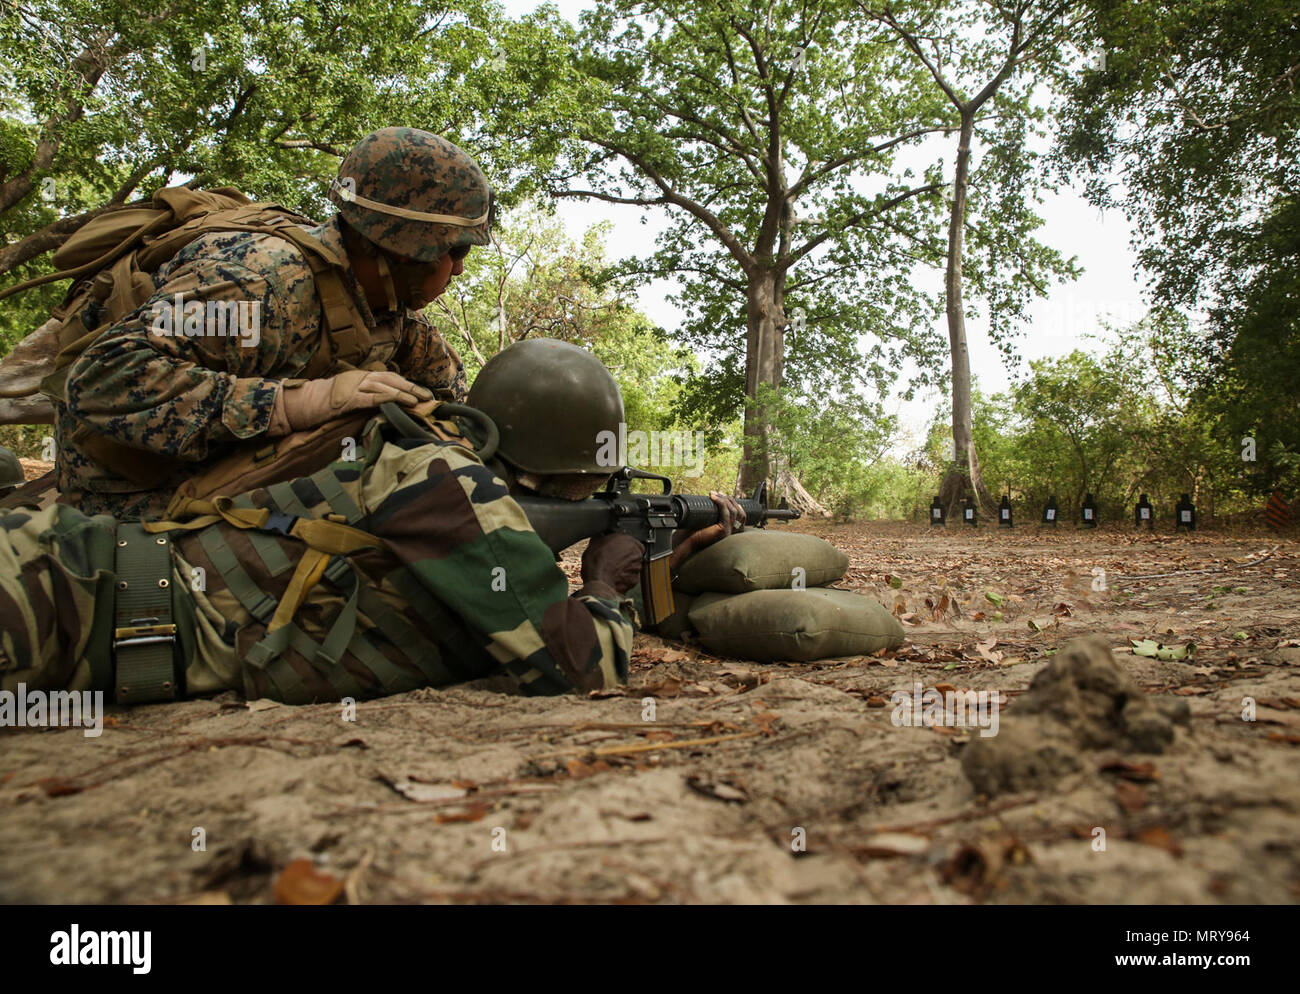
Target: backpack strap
point(323, 537)
point(348, 337)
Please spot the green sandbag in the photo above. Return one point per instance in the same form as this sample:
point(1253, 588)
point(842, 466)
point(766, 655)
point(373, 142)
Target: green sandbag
point(768, 625)
point(676, 623)
point(761, 560)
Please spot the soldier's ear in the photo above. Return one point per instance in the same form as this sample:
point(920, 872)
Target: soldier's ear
point(355, 242)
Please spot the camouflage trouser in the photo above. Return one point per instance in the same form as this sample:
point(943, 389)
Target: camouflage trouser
point(57, 596)
point(57, 589)
point(56, 599)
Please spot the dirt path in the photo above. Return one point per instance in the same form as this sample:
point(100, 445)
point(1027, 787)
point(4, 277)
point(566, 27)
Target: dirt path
point(470, 794)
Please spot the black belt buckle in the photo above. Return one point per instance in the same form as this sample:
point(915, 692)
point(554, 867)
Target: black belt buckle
point(278, 521)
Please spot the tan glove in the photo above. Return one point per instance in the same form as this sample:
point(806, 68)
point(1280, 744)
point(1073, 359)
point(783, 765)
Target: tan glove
point(302, 404)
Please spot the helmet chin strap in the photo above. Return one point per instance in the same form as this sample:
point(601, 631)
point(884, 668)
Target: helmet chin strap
point(386, 274)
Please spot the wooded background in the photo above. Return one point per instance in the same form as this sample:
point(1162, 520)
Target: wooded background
point(818, 266)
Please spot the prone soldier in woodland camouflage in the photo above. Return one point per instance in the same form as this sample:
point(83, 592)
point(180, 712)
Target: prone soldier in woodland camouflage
point(147, 404)
point(410, 566)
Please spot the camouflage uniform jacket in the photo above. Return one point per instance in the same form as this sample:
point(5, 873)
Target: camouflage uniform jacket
point(462, 588)
point(194, 393)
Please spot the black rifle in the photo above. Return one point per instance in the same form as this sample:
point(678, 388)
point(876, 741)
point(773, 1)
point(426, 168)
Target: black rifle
point(649, 518)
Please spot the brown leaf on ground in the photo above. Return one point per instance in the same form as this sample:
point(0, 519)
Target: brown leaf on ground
point(579, 770)
point(671, 687)
point(1131, 797)
point(1138, 772)
point(1159, 837)
point(58, 786)
point(475, 812)
point(301, 883)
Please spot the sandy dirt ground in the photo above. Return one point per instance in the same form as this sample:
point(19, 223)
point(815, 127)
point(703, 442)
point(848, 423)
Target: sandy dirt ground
point(778, 783)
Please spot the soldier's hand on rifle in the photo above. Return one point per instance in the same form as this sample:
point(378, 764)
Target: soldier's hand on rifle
point(301, 404)
point(615, 560)
point(731, 519)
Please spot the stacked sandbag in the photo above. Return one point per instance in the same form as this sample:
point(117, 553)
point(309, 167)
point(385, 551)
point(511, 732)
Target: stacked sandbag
point(760, 595)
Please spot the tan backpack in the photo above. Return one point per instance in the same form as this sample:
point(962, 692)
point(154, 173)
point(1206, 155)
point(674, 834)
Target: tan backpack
point(110, 259)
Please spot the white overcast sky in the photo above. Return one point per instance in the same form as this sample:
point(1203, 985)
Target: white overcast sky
point(1109, 288)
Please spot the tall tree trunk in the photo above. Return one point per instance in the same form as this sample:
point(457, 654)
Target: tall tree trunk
point(964, 477)
point(763, 366)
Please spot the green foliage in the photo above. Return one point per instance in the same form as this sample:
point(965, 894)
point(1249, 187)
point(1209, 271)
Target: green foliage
point(1117, 425)
point(689, 102)
point(1197, 112)
point(107, 101)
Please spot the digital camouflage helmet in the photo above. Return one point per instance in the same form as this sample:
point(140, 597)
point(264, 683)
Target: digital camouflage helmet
point(414, 194)
point(553, 404)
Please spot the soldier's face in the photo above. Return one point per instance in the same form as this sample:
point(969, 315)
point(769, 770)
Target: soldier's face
point(434, 280)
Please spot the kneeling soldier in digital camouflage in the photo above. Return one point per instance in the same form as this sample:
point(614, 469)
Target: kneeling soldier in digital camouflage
point(410, 566)
point(338, 329)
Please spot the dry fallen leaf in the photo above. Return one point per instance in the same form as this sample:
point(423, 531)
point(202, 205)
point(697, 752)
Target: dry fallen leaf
point(57, 786)
point(301, 883)
point(1130, 796)
point(579, 770)
point(672, 687)
point(1160, 838)
point(1139, 772)
point(475, 812)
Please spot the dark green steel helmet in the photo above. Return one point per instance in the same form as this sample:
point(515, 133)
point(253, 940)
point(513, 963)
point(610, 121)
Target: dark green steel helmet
point(11, 471)
point(413, 193)
point(557, 407)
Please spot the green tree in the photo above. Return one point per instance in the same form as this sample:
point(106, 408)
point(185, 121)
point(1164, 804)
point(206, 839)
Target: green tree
point(770, 135)
point(983, 58)
point(1196, 110)
point(105, 101)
